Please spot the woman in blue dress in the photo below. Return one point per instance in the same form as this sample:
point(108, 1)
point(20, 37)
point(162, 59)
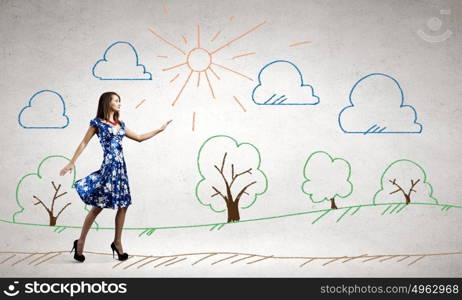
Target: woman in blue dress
point(107, 187)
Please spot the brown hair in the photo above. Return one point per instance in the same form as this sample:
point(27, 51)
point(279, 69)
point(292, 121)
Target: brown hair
point(103, 106)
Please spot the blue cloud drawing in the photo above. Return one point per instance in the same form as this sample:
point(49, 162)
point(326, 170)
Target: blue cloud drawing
point(281, 83)
point(46, 110)
point(377, 106)
point(120, 62)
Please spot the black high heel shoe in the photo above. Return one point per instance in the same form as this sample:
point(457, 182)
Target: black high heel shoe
point(122, 256)
point(78, 257)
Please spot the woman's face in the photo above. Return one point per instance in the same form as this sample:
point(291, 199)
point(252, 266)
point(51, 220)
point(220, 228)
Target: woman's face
point(115, 103)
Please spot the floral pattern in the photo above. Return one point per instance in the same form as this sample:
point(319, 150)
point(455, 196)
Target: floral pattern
point(108, 187)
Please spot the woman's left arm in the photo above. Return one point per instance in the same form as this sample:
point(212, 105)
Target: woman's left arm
point(146, 136)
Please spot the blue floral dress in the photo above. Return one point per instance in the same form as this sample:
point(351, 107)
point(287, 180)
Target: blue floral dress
point(108, 187)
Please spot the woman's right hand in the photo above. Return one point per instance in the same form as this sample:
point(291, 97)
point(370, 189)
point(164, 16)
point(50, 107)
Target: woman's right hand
point(67, 168)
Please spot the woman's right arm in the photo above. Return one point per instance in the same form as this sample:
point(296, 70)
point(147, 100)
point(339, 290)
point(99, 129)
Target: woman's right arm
point(90, 133)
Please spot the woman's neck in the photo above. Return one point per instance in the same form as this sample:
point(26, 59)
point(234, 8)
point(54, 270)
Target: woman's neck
point(111, 116)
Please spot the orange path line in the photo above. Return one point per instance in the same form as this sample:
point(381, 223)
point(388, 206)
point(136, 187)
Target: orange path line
point(185, 83)
point(8, 258)
point(199, 78)
point(237, 38)
point(233, 71)
point(251, 53)
point(49, 258)
point(184, 39)
point(158, 265)
point(149, 262)
point(170, 68)
point(172, 263)
point(166, 41)
point(39, 258)
point(30, 255)
point(235, 98)
point(299, 43)
point(210, 85)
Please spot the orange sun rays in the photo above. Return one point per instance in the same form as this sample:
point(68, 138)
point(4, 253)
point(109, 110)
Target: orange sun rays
point(198, 54)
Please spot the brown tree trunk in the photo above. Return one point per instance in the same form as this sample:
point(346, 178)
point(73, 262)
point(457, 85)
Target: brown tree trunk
point(233, 212)
point(408, 199)
point(332, 203)
point(53, 220)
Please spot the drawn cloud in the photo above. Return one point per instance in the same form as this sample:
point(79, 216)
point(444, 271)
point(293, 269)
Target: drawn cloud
point(281, 83)
point(120, 62)
point(46, 110)
point(377, 106)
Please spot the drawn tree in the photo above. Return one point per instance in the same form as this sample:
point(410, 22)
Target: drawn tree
point(231, 178)
point(407, 195)
point(404, 181)
point(45, 190)
point(326, 178)
point(50, 211)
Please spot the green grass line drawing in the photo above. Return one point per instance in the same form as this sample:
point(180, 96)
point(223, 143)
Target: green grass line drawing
point(357, 209)
point(386, 209)
point(147, 231)
point(446, 208)
point(394, 208)
point(323, 212)
point(59, 229)
point(341, 217)
point(402, 208)
point(322, 215)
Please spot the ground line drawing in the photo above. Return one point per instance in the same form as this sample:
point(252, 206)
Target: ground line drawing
point(176, 258)
point(146, 230)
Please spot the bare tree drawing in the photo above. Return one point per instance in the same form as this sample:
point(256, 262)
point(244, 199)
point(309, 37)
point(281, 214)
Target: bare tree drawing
point(232, 202)
point(407, 196)
point(404, 181)
point(231, 178)
point(53, 218)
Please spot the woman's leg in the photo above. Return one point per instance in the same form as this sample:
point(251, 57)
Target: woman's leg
point(91, 216)
point(119, 224)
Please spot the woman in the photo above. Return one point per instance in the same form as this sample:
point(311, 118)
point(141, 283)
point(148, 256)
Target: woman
point(107, 187)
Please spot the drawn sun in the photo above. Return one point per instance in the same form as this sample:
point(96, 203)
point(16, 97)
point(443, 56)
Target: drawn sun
point(200, 60)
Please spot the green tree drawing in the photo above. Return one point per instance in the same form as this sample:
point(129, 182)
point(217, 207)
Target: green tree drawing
point(404, 181)
point(31, 192)
point(326, 178)
point(231, 178)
